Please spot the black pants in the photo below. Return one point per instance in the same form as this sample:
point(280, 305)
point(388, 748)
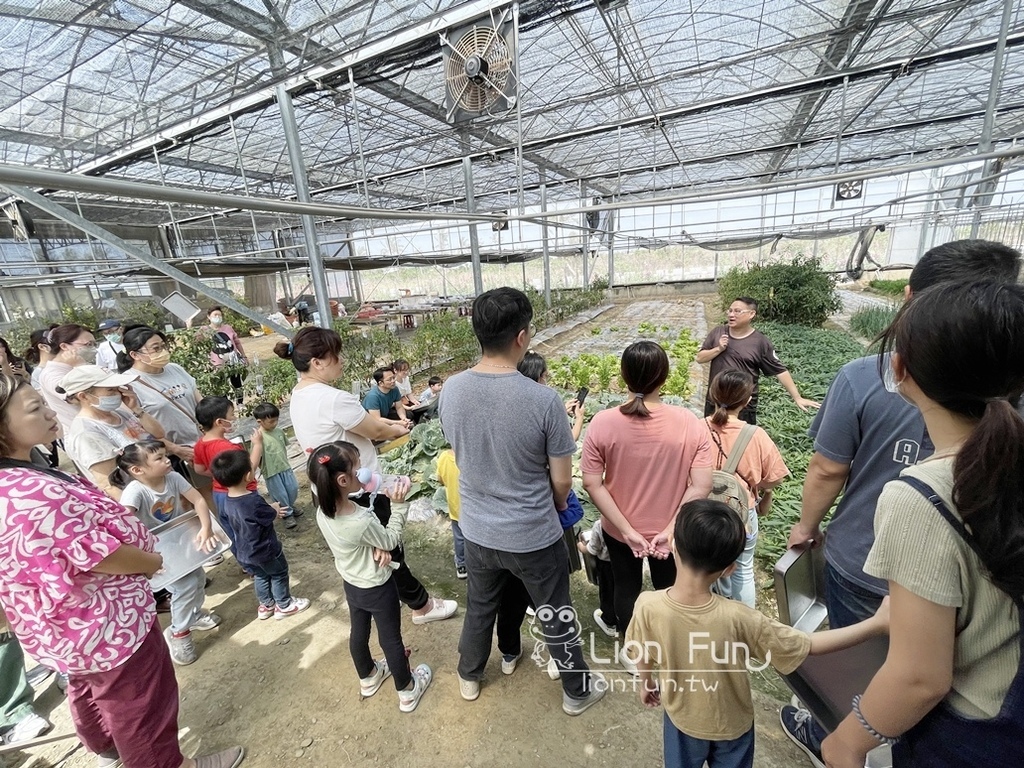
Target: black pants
point(606, 592)
point(511, 613)
point(748, 414)
point(628, 577)
point(546, 578)
point(410, 590)
point(380, 604)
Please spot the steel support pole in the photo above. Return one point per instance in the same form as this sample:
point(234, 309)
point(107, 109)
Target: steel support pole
point(611, 248)
point(316, 261)
point(985, 143)
point(544, 245)
point(586, 237)
point(474, 240)
point(89, 228)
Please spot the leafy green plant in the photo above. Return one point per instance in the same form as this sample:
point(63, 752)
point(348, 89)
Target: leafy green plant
point(889, 287)
point(364, 349)
point(565, 302)
point(869, 322)
point(646, 329)
point(443, 338)
point(595, 331)
point(607, 367)
point(797, 292)
point(270, 381)
point(813, 356)
point(190, 348)
point(418, 459)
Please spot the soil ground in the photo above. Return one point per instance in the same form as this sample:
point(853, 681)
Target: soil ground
point(288, 692)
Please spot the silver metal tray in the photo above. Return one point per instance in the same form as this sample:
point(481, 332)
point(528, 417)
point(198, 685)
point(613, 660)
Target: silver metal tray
point(825, 684)
point(176, 541)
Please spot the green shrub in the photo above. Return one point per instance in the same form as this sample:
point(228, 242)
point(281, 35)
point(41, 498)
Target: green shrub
point(444, 337)
point(889, 287)
point(798, 292)
point(190, 348)
point(565, 303)
point(364, 349)
point(869, 322)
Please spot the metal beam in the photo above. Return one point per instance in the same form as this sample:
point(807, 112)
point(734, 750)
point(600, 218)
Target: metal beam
point(474, 240)
point(312, 78)
point(55, 209)
point(316, 261)
point(544, 246)
point(39, 177)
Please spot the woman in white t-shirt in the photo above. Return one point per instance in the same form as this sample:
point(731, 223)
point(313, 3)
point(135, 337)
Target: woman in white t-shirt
point(109, 418)
point(71, 345)
point(323, 414)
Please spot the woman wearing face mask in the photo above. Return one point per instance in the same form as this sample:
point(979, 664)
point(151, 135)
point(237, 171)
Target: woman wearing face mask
point(109, 418)
point(71, 345)
point(166, 392)
point(227, 348)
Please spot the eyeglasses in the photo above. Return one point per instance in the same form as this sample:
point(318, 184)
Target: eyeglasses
point(738, 311)
point(86, 345)
point(154, 350)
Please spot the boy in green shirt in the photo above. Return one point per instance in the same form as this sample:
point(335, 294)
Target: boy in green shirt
point(270, 453)
point(705, 645)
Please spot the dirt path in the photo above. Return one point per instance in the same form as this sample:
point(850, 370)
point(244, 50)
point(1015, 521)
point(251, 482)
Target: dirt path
point(288, 692)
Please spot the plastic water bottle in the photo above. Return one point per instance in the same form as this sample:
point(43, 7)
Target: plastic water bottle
point(375, 482)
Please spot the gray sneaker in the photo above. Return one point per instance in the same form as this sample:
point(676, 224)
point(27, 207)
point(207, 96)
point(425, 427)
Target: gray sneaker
point(598, 687)
point(231, 757)
point(408, 700)
point(183, 650)
point(109, 760)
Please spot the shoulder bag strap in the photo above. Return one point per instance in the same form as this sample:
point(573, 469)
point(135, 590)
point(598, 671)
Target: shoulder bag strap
point(929, 493)
point(191, 416)
point(739, 447)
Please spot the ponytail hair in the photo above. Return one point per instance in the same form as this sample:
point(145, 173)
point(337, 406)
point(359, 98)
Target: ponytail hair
point(324, 465)
point(644, 368)
point(310, 343)
point(134, 455)
point(963, 345)
point(729, 390)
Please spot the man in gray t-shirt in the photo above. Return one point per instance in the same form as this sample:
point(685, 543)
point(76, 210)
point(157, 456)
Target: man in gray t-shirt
point(513, 446)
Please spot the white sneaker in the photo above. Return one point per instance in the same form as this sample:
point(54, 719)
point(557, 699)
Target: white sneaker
point(628, 664)
point(31, 727)
point(509, 663)
point(439, 611)
point(470, 689)
point(421, 676)
point(553, 672)
point(370, 685)
point(607, 628)
point(206, 621)
point(297, 605)
point(109, 761)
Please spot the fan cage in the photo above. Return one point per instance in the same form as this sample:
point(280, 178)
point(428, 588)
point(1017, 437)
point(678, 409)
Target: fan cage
point(490, 45)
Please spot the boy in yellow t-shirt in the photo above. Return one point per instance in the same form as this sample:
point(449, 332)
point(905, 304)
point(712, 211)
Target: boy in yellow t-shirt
point(448, 474)
point(705, 645)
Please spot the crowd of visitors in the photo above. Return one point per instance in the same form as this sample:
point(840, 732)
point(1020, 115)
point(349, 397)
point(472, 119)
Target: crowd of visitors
point(924, 443)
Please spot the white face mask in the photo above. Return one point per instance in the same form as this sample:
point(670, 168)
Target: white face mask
point(216, 320)
point(108, 403)
point(88, 354)
point(891, 385)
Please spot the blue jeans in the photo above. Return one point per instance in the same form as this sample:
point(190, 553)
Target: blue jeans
point(219, 499)
point(739, 585)
point(460, 545)
point(682, 751)
point(847, 602)
point(284, 489)
point(271, 582)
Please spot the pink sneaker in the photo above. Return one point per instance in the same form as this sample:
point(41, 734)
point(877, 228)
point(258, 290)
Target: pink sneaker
point(297, 605)
point(264, 612)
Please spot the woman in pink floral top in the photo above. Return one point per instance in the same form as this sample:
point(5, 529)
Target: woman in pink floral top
point(74, 568)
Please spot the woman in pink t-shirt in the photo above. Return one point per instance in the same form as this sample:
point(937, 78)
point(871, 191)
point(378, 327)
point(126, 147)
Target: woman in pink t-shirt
point(641, 462)
point(74, 568)
point(761, 468)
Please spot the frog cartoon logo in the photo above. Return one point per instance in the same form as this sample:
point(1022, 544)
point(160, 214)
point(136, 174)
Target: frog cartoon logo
point(555, 632)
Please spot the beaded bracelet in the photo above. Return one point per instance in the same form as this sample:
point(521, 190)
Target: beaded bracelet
point(867, 726)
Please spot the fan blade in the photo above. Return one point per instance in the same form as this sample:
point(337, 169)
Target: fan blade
point(451, 48)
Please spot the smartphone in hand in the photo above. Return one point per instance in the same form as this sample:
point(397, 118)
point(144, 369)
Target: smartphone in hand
point(582, 395)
